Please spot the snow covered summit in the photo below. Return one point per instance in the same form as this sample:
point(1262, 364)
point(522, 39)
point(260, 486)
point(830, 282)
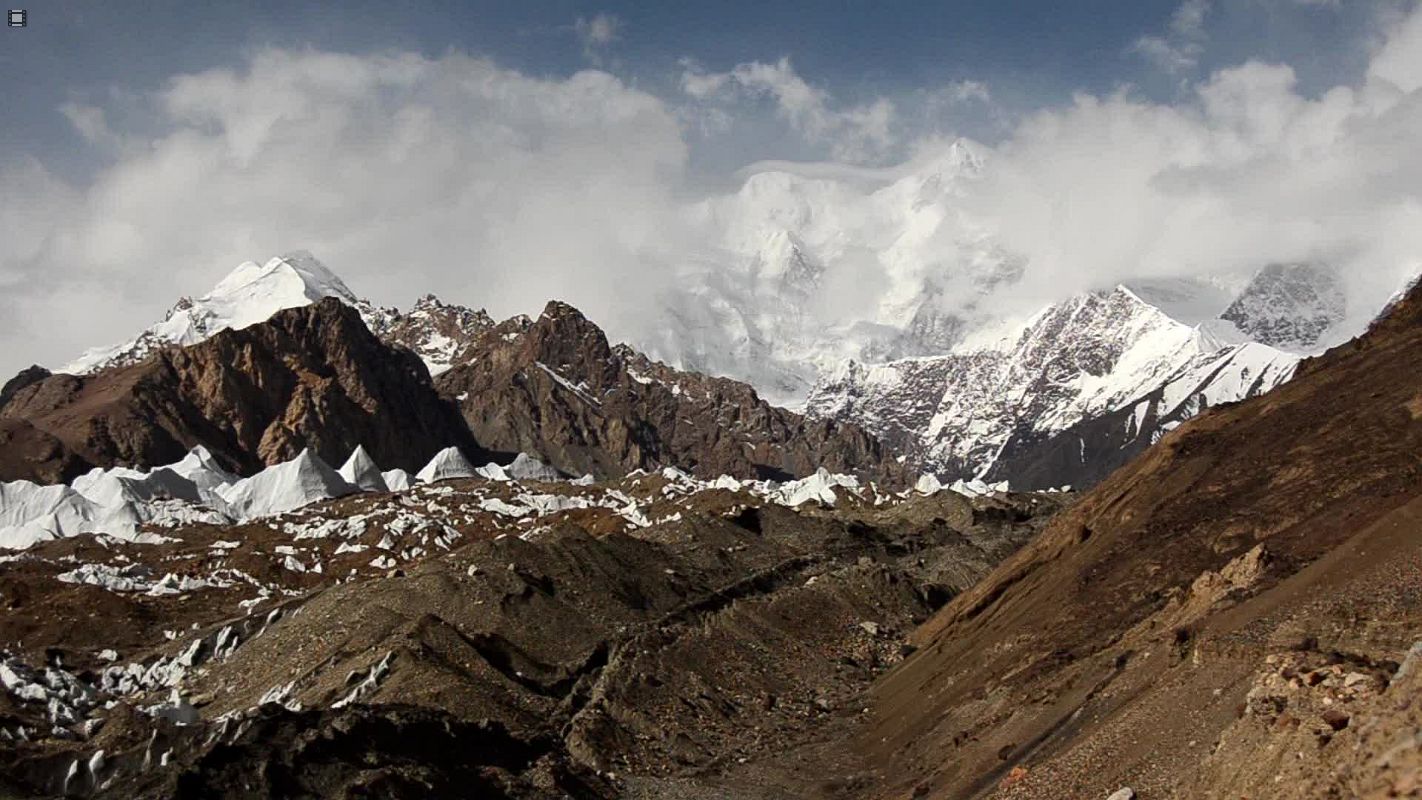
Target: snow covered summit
point(993, 412)
point(439, 333)
point(251, 293)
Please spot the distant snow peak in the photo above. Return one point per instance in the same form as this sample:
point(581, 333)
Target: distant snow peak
point(1290, 306)
point(440, 334)
point(1086, 357)
point(249, 294)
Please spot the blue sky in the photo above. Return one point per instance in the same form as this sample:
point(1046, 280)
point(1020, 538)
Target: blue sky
point(1030, 54)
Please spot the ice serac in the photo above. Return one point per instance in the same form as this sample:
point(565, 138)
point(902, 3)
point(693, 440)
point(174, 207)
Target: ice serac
point(200, 467)
point(397, 480)
point(286, 486)
point(117, 502)
point(447, 464)
point(30, 513)
point(527, 468)
point(361, 470)
point(121, 485)
point(993, 412)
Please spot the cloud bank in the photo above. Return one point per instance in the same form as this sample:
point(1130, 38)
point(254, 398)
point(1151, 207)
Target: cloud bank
point(501, 189)
point(405, 174)
point(1244, 171)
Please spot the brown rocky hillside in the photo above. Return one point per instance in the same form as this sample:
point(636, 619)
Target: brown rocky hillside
point(1233, 614)
point(554, 386)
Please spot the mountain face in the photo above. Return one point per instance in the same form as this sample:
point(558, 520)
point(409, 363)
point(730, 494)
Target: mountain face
point(1085, 386)
point(309, 377)
point(1253, 567)
point(25, 377)
point(554, 386)
point(441, 334)
point(808, 271)
point(1061, 399)
point(438, 333)
point(1289, 306)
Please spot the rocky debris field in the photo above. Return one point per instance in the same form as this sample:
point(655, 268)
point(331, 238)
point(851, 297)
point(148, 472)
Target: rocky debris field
point(653, 635)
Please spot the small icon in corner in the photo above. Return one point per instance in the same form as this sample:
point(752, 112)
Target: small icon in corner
point(16, 18)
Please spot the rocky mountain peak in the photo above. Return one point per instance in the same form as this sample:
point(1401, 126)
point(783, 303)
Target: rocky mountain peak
point(1291, 306)
point(30, 375)
point(562, 336)
point(555, 387)
point(309, 377)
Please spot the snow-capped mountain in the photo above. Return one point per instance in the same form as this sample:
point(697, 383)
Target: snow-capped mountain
point(251, 293)
point(879, 307)
point(1290, 306)
point(880, 299)
point(961, 413)
point(809, 271)
point(438, 333)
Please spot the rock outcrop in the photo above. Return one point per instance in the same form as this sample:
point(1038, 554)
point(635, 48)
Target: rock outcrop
point(310, 377)
point(556, 387)
point(25, 377)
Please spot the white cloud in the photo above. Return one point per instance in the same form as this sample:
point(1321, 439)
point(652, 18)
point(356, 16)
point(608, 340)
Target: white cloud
point(855, 133)
point(406, 174)
point(1180, 49)
point(1246, 171)
point(90, 122)
point(967, 91)
point(1399, 61)
point(597, 33)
